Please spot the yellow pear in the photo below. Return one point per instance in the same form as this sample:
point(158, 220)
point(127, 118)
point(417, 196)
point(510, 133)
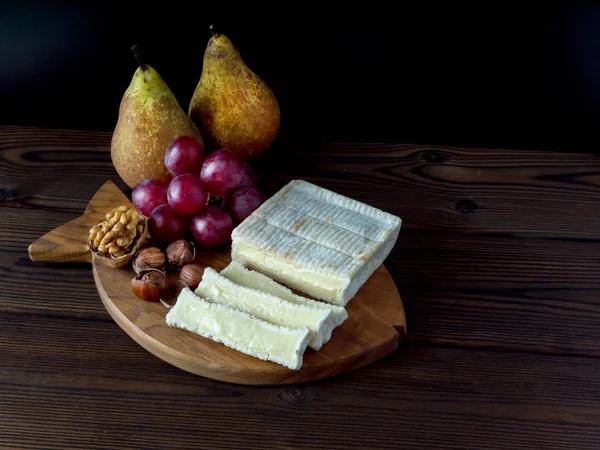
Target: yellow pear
point(150, 118)
point(232, 106)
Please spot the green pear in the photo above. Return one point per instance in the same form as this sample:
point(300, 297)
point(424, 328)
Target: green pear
point(150, 118)
point(232, 106)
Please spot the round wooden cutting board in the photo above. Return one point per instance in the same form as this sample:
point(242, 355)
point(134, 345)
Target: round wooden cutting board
point(373, 328)
point(375, 324)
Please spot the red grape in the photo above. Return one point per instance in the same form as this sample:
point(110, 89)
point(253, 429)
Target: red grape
point(242, 202)
point(166, 226)
point(184, 155)
point(186, 194)
point(249, 178)
point(212, 227)
point(222, 172)
point(148, 194)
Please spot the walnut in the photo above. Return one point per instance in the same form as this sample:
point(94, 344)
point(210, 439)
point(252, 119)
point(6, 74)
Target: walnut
point(180, 253)
point(115, 235)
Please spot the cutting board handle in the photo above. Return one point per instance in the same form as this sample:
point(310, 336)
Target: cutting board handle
point(68, 243)
point(48, 251)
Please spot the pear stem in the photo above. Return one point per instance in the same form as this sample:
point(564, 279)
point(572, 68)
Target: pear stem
point(214, 33)
point(136, 52)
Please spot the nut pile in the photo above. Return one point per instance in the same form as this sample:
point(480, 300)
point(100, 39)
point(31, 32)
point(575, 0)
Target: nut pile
point(117, 233)
point(120, 239)
point(150, 265)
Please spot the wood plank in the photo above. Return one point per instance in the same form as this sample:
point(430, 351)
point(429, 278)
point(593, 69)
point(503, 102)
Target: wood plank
point(501, 292)
point(42, 288)
point(74, 383)
point(57, 170)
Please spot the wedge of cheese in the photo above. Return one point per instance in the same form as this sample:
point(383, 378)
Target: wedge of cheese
point(316, 241)
point(218, 289)
point(239, 330)
point(239, 274)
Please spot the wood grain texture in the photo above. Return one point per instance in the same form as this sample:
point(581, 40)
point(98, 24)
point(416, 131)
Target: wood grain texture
point(497, 262)
point(489, 236)
point(80, 384)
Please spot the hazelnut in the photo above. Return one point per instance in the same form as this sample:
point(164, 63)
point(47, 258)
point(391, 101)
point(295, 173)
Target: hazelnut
point(149, 284)
point(149, 258)
point(180, 253)
point(191, 275)
point(156, 278)
point(144, 290)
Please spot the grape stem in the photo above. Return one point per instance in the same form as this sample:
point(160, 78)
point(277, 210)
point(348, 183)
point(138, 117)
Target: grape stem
point(212, 200)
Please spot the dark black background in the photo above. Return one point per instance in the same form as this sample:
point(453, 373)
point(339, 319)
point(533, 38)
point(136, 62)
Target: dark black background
point(523, 75)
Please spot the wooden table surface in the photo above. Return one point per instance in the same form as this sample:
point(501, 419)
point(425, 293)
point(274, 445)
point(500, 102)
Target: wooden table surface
point(498, 264)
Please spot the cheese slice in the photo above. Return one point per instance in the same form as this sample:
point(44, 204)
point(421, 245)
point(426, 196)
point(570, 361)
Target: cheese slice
point(239, 330)
point(268, 307)
point(239, 274)
point(316, 241)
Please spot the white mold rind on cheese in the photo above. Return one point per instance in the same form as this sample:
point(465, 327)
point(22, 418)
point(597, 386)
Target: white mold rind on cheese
point(218, 289)
point(243, 276)
point(316, 241)
point(239, 330)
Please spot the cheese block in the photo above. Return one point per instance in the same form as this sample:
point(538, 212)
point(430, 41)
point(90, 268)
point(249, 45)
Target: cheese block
point(316, 241)
point(239, 274)
point(268, 307)
point(239, 330)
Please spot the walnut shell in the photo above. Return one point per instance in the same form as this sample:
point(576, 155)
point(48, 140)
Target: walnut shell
point(169, 295)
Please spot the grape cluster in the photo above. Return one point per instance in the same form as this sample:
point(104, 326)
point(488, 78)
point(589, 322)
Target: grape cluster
point(185, 205)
